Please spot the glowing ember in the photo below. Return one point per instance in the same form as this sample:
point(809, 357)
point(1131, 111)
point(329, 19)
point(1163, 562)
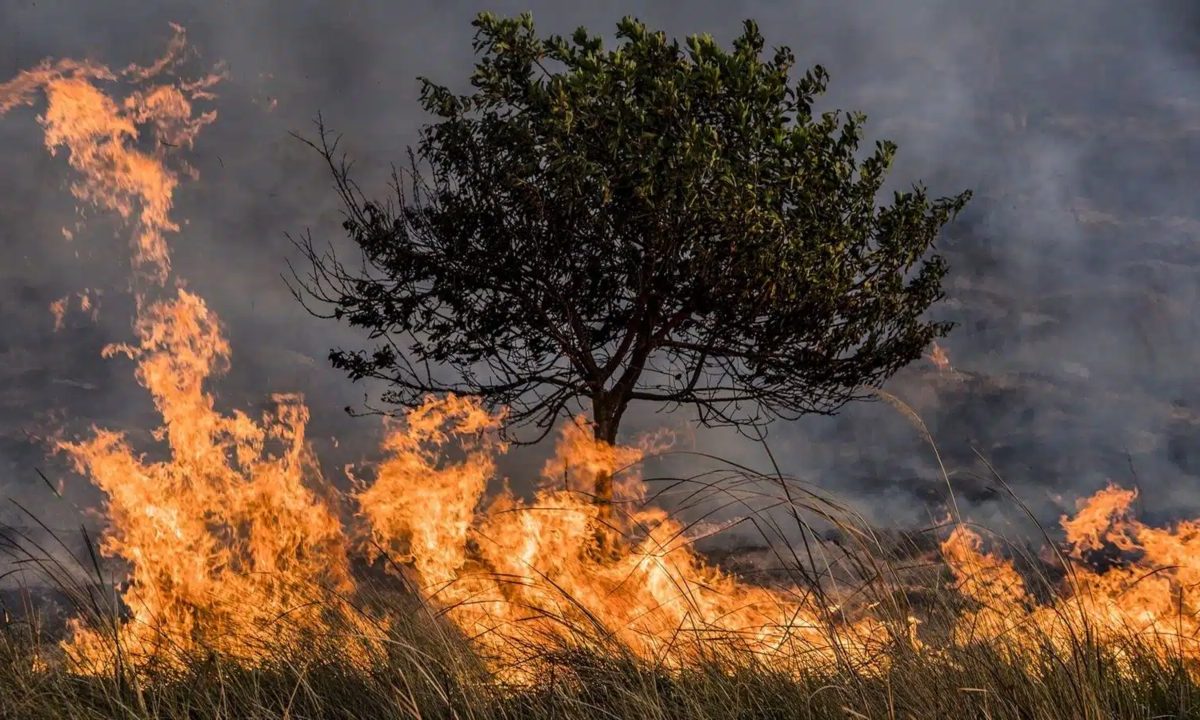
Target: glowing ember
point(939, 357)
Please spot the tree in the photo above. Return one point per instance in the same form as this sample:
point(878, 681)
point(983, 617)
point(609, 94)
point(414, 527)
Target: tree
point(647, 223)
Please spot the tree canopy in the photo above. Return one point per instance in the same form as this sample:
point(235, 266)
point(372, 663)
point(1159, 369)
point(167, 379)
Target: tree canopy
point(661, 222)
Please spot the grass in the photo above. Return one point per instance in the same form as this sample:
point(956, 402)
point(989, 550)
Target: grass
point(418, 665)
point(428, 675)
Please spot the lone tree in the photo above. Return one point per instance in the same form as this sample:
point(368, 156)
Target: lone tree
point(647, 223)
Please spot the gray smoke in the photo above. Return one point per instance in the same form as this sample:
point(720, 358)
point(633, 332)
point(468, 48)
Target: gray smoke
point(1074, 271)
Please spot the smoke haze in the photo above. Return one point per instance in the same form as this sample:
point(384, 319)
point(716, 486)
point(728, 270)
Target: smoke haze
point(1074, 276)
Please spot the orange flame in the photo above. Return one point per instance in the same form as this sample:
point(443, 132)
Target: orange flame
point(522, 576)
point(939, 357)
point(58, 310)
point(59, 307)
point(224, 537)
point(1146, 593)
point(101, 137)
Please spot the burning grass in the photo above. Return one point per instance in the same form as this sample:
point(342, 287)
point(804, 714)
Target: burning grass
point(432, 598)
point(986, 646)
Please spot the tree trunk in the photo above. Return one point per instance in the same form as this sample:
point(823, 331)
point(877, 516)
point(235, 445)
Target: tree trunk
point(607, 418)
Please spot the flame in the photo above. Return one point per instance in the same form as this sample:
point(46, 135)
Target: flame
point(224, 537)
point(101, 137)
point(59, 307)
point(940, 358)
point(522, 576)
point(229, 546)
point(1146, 593)
point(58, 310)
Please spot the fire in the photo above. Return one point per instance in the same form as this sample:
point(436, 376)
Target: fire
point(224, 537)
point(229, 545)
point(101, 138)
point(87, 304)
point(58, 310)
point(1145, 593)
point(222, 526)
point(520, 576)
point(412, 486)
point(939, 357)
point(234, 544)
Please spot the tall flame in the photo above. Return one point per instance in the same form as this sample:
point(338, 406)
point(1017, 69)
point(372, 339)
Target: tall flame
point(225, 538)
point(228, 545)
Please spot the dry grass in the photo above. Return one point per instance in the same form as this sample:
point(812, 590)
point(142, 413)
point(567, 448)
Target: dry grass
point(417, 665)
point(428, 675)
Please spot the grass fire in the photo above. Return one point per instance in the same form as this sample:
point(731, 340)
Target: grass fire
point(587, 229)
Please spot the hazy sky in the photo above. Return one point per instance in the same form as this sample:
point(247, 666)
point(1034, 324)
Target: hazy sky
point(1074, 273)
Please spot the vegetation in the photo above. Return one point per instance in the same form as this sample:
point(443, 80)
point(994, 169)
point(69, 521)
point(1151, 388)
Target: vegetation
point(419, 665)
point(976, 685)
point(428, 671)
point(654, 223)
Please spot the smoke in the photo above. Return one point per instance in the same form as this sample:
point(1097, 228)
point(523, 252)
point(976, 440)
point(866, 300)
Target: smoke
point(1073, 273)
